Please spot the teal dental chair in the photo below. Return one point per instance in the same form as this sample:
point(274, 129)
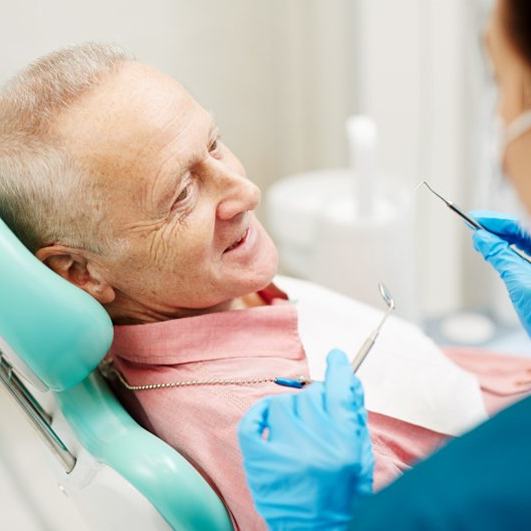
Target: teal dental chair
point(52, 338)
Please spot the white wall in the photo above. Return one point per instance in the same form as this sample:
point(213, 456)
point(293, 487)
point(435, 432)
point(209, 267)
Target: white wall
point(411, 80)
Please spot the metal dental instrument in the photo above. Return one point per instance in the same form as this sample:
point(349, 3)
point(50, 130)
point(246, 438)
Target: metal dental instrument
point(369, 342)
point(472, 223)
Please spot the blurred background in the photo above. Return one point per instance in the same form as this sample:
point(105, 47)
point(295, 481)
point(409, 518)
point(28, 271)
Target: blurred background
point(282, 77)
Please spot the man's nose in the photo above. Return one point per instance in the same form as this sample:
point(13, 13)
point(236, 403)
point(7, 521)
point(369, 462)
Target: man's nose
point(237, 194)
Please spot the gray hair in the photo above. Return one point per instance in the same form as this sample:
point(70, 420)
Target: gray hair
point(46, 195)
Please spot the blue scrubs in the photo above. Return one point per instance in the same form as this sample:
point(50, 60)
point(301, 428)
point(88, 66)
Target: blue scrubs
point(481, 481)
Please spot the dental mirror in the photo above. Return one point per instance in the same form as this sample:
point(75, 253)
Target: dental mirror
point(386, 296)
point(369, 342)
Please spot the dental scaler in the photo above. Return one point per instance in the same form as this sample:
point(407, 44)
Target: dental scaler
point(472, 223)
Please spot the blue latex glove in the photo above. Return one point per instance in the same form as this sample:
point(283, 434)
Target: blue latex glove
point(308, 456)
point(514, 271)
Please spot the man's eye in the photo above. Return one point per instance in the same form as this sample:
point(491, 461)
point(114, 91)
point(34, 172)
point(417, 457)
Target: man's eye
point(214, 146)
point(183, 195)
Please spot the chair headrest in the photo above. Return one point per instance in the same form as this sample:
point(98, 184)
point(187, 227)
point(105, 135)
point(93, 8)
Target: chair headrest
point(58, 332)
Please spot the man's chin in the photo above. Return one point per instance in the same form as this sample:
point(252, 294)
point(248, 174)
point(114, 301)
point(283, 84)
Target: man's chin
point(269, 267)
point(258, 279)
point(267, 281)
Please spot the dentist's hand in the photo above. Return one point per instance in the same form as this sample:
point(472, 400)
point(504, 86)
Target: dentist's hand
point(514, 271)
point(308, 456)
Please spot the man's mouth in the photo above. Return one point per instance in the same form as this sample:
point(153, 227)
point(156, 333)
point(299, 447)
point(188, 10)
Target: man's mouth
point(238, 242)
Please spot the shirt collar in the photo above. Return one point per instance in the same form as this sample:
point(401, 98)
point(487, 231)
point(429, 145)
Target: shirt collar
point(261, 331)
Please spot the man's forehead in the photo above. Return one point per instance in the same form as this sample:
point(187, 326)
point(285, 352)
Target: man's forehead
point(131, 117)
point(138, 88)
point(134, 99)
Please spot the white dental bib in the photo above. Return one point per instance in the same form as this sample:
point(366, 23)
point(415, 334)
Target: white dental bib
point(406, 376)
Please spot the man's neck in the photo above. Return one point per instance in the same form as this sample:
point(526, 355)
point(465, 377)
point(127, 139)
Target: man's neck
point(124, 313)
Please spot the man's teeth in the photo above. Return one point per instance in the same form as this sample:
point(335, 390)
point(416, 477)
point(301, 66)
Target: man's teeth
point(235, 244)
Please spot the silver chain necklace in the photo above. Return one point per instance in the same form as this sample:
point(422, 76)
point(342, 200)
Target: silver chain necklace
point(108, 370)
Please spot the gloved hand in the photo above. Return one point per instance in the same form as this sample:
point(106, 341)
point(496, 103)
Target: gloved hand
point(514, 271)
point(308, 456)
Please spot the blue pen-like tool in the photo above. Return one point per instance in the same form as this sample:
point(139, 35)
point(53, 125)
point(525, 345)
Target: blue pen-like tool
point(296, 383)
point(472, 223)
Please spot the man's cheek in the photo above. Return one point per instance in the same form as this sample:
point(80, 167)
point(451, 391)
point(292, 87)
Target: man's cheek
point(190, 261)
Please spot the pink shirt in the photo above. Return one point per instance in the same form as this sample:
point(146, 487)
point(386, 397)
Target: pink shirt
point(200, 421)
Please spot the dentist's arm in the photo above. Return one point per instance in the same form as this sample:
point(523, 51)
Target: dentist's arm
point(514, 271)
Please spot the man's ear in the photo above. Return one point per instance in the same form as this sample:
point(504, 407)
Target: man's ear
point(72, 265)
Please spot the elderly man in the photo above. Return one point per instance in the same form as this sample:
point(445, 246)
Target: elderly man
point(115, 177)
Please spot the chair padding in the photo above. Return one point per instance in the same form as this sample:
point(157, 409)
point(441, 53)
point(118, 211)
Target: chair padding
point(56, 329)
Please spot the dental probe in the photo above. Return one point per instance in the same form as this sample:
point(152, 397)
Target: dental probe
point(369, 342)
point(472, 223)
point(362, 352)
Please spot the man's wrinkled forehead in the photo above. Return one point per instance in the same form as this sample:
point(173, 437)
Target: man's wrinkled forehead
point(131, 117)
